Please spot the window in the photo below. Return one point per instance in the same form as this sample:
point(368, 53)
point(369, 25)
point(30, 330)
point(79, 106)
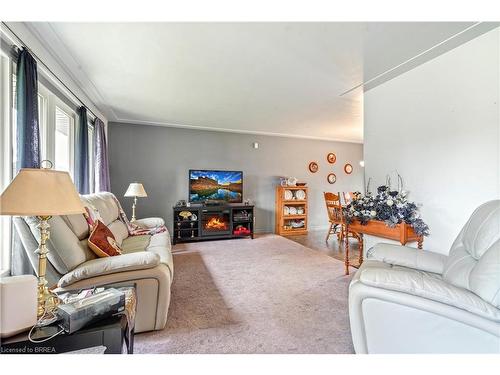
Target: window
point(63, 141)
point(57, 139)
point(57, 130)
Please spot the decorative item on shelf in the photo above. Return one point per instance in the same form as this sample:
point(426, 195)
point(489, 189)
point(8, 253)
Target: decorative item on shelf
point(243, 215)
point(348, 168)
point(241, 230)
point(135, 190)
point(293, 210)
point(313, 167)
point(247, 202)
point(300, 195)
point(301, 183)
point(298, 224)
point(300, 210)
point(390, 206)
point(181, 203)
point(286, 210)
point(194, 217)
point(185, 214)
point(43, 193)
point(288, 195)
point(331, 158)
point(331, 178)
point(288, 181)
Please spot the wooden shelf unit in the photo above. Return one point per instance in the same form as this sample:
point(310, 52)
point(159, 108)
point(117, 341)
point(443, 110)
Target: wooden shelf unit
point(281, 220)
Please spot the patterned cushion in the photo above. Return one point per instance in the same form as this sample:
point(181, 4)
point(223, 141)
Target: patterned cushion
point(102, 242)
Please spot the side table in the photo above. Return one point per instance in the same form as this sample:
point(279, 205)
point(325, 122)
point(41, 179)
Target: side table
point(112, 333)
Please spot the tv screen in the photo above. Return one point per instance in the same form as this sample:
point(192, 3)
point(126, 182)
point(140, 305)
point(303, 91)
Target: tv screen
point(208, 185)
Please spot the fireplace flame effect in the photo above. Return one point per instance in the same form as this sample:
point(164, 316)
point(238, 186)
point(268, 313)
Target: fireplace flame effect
point(216, 223)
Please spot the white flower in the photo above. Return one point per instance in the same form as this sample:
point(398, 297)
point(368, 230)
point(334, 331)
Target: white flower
point(399, 205)
point(389, 202)
point(373, 213)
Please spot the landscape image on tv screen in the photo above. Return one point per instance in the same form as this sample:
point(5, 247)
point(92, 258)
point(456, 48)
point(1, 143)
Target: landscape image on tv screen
point(215, 186)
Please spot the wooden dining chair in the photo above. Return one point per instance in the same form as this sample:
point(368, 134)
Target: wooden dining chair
point(335, 216)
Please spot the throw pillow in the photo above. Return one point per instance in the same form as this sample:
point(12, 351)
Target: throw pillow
point(102, 241)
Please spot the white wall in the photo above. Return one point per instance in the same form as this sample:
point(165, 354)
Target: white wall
point(438, 126)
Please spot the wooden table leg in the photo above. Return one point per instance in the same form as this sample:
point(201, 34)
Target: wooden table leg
point(346, 256)
point(361, 247)
point(420, 242)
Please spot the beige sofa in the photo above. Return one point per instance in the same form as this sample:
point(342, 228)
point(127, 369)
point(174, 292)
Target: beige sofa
point(146, 260)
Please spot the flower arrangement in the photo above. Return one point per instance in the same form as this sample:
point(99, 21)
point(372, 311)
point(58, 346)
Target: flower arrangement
point(389, 206)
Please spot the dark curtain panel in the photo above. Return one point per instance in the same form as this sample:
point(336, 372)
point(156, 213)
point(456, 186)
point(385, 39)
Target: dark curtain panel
point(28, 133)
point(101, 170)
point(28, 142)
point(82, 154)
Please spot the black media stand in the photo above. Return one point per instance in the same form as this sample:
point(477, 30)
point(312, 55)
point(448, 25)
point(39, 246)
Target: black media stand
point(213, 222)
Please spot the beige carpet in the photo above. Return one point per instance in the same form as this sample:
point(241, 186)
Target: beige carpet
point(267, 295)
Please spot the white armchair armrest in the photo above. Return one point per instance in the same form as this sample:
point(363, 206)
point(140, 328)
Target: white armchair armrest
point(150, 222)
point(407, 257)
point(105, 266)
point(429, 286)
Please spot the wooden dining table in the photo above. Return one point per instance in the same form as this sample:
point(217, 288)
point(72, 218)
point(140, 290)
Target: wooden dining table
point(403, 233)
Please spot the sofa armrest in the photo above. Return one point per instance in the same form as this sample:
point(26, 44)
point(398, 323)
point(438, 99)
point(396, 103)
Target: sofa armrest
point(105, 266)
point(150, 222)
point(407, 257)
point(428, 286)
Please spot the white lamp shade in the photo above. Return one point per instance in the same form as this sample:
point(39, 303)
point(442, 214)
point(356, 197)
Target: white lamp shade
point(135, 189)
point(41, 192)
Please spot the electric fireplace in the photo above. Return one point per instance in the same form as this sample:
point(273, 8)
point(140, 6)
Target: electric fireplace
point(215, 222)
point(212, 222)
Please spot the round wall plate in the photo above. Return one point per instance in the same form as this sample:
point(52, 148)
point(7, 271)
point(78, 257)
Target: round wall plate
point(331, 158)
point(331, 178)
point(348, 168)
point(313, 167)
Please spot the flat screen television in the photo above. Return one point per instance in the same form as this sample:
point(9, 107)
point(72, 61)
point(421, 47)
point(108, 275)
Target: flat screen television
point(215, 186)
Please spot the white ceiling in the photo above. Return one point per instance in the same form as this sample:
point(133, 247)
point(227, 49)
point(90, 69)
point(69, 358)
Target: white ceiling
point(271, 78)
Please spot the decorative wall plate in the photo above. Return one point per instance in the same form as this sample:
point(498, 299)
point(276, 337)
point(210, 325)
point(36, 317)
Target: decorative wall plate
point(331, 178)
point(313, 167)
point(300, 195)
point(331, 158)
point(348, 168)
point(288, 195)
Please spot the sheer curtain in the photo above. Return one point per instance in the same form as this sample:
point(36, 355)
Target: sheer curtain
point(101, 170)
point(82, 153)
point(27, 141)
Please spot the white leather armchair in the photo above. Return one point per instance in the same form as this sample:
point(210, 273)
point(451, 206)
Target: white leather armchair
point(405, 300)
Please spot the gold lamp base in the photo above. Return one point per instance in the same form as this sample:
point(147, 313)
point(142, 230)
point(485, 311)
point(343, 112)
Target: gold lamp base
point(47, 300)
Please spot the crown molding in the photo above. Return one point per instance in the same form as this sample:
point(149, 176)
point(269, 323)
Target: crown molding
point(236, 131)
point(440, 48)
point(57, 49)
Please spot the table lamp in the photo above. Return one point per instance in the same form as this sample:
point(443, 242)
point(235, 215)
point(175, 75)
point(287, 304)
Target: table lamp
point(135, 189)
point(43, 193)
